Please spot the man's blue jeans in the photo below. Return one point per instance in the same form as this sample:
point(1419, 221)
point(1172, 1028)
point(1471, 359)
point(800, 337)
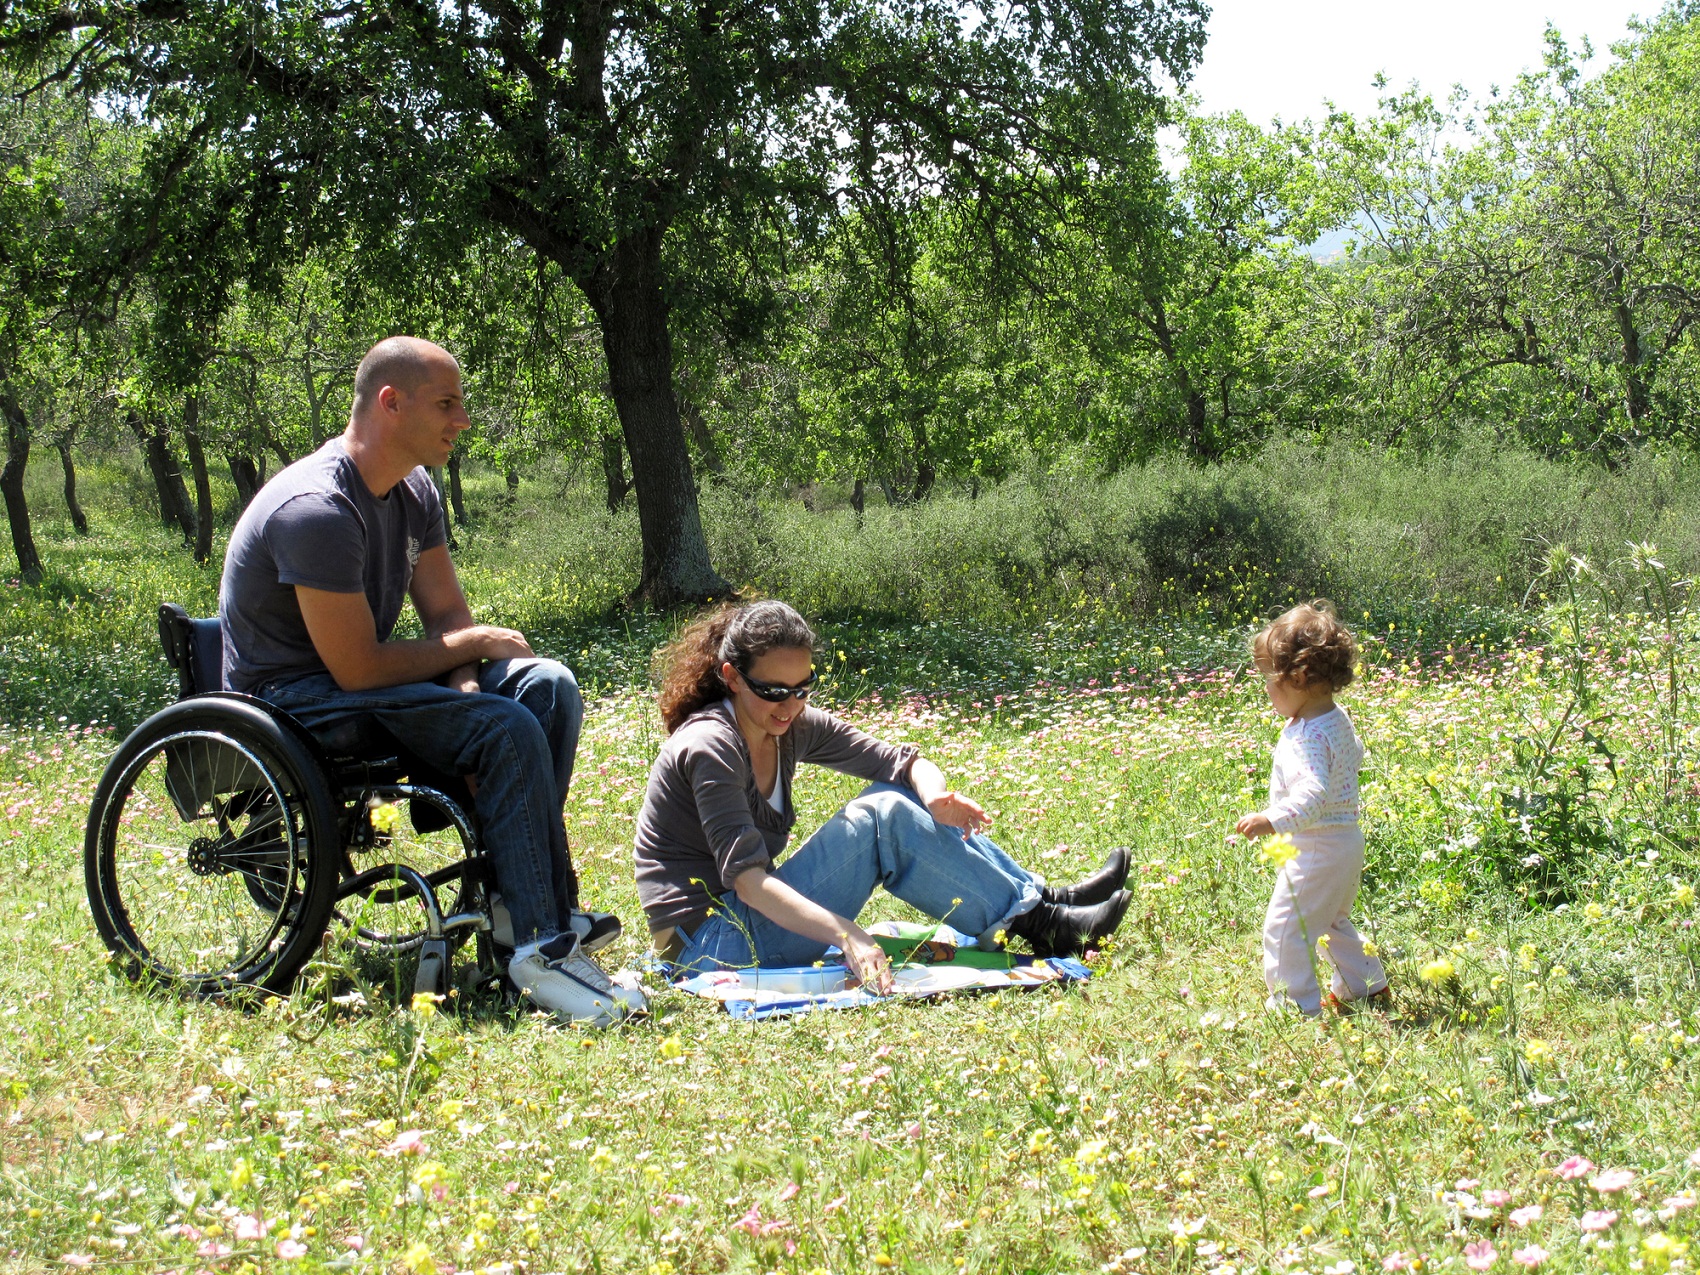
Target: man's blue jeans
point(884, 837)
point(517, 736)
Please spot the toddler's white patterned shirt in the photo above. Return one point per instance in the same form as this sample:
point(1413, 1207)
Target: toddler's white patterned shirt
point(1313, 782)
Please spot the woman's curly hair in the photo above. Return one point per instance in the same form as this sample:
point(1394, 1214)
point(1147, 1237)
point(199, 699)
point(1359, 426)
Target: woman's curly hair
point(735, 633)
point(1308, 645)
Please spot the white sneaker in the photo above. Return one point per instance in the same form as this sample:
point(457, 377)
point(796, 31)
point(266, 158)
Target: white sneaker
point(596, 930)
point(560, 978)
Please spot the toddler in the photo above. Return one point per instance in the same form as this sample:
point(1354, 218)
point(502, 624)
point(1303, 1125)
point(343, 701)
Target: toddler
point(1305, 657)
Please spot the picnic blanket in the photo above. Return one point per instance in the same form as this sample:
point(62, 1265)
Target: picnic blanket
point(928, 961)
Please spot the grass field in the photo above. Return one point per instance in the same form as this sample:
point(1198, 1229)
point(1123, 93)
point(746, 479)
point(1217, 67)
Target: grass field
point(1531, 811)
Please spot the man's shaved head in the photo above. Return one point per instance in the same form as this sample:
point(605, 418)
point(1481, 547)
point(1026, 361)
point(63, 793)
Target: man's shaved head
point(402, 361)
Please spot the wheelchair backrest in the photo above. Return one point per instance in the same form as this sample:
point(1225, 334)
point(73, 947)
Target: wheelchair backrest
point(195, 648)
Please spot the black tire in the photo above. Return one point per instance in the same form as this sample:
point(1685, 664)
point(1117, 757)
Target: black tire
point(212, 851)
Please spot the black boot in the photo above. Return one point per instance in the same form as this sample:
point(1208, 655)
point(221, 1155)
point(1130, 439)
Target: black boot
point(1095, 888)
point(1054, 929)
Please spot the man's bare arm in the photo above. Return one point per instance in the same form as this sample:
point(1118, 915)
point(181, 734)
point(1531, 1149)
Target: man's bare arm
point(442, 608)
point(346, 637)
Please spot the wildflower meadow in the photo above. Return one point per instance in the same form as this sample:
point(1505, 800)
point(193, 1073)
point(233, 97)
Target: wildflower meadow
point(1529, 1103)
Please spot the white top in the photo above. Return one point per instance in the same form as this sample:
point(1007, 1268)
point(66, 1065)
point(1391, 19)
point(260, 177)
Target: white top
point(776, 798)
point(1313, 782)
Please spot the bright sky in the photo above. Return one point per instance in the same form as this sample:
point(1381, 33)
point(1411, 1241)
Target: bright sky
point(1269, 58)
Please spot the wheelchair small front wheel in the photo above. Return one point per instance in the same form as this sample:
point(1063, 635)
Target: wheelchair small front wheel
point(212, 851)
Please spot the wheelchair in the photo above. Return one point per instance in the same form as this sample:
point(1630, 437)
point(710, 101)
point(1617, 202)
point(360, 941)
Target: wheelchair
point(224, 838)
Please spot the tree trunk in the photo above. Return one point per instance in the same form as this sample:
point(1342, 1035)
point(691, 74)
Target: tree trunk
point(203, 485)
point(1637, 399)
point(614, 471)
point(246, 475)
point(457, 499)
point(448, 523)
point(12, 486)
point(1199, 441)
point(174, 510)
point(284, 459)
point(79, 519)
point(859, 499)
point(691, 414)
point(625, 292)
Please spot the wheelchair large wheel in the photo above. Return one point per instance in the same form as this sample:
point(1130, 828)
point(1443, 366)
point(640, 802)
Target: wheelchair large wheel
point(212, 851)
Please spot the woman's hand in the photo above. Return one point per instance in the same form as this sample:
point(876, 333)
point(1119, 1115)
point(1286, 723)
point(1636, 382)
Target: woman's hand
point(1257, 825)
point(953, 808)
point(867, 961)
point(783, 905)
point(946, 805)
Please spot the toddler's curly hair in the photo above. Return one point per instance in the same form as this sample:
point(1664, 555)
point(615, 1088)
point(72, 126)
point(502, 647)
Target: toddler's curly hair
point(1308, 645)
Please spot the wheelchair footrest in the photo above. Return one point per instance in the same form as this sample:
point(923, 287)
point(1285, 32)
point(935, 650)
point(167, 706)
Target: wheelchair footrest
point(432, 978)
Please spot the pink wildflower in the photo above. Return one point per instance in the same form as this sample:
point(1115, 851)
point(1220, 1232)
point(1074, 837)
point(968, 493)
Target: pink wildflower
point(1612, 1181)
point(355, 1242)
point(1524, 1216)
point(1573, 1168)
point(676, 1200)
point(291, 1250)
point(78, 1259)
point(1396, 1261)
point(248, 1228)
point(407, 1142)
point(1531, 1257)
point(1596, 1220)
point(750, 1223)
point(832, 1206)
point(1481, 1255)
point(212, 1248)
point(789, 1192)
point(1494, 1198)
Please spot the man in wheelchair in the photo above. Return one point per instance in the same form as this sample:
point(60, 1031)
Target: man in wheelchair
point(314, 580)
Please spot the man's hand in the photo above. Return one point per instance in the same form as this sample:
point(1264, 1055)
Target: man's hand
point(495, 643)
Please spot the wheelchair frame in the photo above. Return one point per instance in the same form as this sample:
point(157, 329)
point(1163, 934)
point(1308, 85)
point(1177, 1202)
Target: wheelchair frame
point(246, 806)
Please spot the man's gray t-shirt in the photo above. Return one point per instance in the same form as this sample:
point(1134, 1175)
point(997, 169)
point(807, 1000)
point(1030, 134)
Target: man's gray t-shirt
point(317, 524)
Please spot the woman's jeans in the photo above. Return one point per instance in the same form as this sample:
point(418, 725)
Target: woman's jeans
point(517, 736)
point(884, 837)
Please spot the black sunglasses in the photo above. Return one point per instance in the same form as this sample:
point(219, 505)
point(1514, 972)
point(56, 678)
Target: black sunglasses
point(775, 692)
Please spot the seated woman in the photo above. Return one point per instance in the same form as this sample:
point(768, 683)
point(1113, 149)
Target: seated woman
point(719, 811)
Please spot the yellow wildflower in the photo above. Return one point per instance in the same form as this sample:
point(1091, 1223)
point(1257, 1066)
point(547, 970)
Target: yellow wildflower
point(1439, 970)
point(385, 816)
point(1277, 851)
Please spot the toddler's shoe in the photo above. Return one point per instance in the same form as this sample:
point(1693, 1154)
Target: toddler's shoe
point(1281, 1003)
point(1381, 1000)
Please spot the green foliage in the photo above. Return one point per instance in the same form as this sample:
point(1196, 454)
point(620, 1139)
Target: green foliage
point(1159, 1112)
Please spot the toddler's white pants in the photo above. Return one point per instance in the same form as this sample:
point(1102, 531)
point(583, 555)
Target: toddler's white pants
point(1313, 896)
